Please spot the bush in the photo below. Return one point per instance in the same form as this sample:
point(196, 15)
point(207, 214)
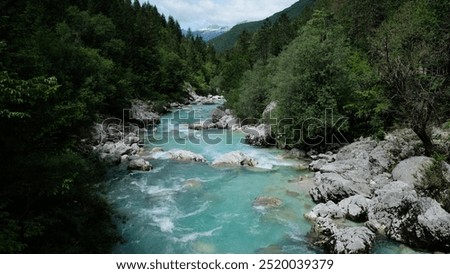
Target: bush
point(436, 182)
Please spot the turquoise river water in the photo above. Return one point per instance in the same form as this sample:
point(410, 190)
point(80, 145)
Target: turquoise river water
point(192, 208)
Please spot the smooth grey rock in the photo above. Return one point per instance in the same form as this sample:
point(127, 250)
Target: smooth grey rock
point(236, 158)
point(381, 158)
point(136, 149)
point(332, 187)
point(186, 156)
point(217, 115)
point(412, 170)
point(122, 149)
point(356, 151)
point(380, 180)
point(157, 149)
point(109, 147)
point(257, 136)
point(139, 164)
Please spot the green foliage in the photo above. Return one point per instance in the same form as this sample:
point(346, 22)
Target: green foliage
point(435, 183)
point(62, 65)
point(409, 55)
point(18, 97)
point(253, 93)
point(227, 40)
point(312, 81)
point(376, 64)
point(369, 106)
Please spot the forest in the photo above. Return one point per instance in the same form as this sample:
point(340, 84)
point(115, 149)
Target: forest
point(64, 64)
point(378, 65)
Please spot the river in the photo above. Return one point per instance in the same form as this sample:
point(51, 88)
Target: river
point(185, 208)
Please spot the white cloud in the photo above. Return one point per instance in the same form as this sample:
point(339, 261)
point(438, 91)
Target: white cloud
point(201, 13)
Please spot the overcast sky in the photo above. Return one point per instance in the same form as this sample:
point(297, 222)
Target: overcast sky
point(197, 14)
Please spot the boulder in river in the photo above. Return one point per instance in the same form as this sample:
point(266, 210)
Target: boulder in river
point(122, 149)
point(217, 115)
point(186, 156)
point(236, 158)
point(267, 202)
point(139, 164)
point(258, 135)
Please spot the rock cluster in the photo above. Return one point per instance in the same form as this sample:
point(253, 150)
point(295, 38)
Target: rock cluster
point(374, 183)
point(220, 120)
point(208, 100)
point(186, 156)
point(118, 142)
point(236, 158)
point(124, 151)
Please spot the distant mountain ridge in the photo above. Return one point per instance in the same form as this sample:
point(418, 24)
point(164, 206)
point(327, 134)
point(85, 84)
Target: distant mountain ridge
point(210, 32)
point(227, 40)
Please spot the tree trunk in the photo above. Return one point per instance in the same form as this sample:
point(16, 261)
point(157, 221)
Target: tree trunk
point(425, 136)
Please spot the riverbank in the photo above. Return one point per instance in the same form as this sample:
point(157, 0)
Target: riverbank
point(383, 186)
point(361, 191)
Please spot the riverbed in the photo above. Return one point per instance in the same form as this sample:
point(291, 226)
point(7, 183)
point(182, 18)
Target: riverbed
point(185, 208)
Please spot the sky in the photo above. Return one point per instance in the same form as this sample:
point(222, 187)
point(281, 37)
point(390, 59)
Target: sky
point(198, 14)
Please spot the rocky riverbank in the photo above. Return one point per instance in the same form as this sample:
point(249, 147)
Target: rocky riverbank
point(121, 142)
point(367, 189)
point(378, 185)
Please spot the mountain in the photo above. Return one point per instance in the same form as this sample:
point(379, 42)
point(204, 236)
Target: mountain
point(210, 32)
point(227, 40)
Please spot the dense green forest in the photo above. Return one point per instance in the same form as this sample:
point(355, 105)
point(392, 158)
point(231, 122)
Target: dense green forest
point(374, 64)
point(227, 40)
point(63, 64)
